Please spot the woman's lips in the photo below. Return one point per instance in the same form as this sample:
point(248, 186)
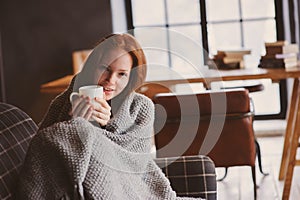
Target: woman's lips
point(108, 90)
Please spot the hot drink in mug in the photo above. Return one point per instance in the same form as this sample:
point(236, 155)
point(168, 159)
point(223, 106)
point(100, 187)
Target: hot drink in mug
point(91, 91)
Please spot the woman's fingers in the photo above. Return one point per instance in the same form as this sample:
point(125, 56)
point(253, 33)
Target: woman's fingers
point(103, 103)
point(89, 113)
point(100, 111)
point(101, 115)
point(81, 107)
point(101, 118)
point(102, 106)
point(102, 122)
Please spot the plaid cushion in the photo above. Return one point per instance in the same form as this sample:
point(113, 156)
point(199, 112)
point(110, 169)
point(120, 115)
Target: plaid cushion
point(191, 176)
point(16, 130)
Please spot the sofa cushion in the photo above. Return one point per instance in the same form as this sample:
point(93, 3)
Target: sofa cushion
point(191, 176)
point(16, 131)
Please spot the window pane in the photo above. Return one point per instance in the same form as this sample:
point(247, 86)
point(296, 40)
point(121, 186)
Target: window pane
point(256, 34)
point(218, 10)
point(265, 102)
point(154, 43)
point(145, 12)
point(251, 10)
point(157, 57)
point(223, 36)
point(177, 11)
point(186, 42)
point(183, 67)
point(190, 31)
point(268, 100)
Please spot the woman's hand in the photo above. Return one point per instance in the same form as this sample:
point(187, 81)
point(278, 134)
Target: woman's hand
point(101, 112)
point(82, 107)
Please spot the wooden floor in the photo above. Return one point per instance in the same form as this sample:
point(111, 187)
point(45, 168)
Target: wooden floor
point(238, 184)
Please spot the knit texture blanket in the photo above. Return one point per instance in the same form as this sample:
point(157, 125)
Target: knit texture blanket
point(75, 159)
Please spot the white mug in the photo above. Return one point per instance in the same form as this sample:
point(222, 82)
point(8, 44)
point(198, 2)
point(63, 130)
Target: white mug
point(91, 91)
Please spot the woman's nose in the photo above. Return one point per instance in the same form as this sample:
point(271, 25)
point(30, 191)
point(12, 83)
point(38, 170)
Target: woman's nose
point(111, 78)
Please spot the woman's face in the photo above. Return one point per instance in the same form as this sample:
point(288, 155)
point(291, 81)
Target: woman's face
point(115, 77)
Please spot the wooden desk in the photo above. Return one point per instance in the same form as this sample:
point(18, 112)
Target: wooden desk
point(166, 77)
point(56, 86)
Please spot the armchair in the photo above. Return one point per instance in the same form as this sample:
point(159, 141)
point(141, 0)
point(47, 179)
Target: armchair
point(213, 123)
point(17, 129)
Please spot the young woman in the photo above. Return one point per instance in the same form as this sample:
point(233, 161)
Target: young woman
point(72, 157)
point(118, 64)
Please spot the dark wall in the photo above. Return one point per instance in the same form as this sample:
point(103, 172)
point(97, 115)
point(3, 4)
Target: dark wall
point(38, 38)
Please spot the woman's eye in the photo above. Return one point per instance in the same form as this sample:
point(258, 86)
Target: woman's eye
point(123, 74)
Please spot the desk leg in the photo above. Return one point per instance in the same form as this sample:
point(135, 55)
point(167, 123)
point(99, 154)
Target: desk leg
point(292, 150)
point(289, 129)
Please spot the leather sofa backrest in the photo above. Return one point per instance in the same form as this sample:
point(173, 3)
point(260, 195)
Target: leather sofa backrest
point(217, 124)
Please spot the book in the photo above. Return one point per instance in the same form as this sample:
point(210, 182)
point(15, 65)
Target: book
point(278, 63)
point(277, 43)
point(227, 60)
point(277, 66)
point(280, 55)
point(233, 53)
point(230, 59)
point(219, 64)
point(281, 58)
point(288, 48)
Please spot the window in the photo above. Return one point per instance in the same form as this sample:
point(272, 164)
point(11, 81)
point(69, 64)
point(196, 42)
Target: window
point(206, 26)
point(169, 31)
point(242, 24)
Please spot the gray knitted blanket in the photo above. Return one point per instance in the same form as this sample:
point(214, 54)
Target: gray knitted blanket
point(75, 159)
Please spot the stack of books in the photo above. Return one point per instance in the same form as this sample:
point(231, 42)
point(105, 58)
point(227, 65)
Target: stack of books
point(280, 54)
point(230, 59)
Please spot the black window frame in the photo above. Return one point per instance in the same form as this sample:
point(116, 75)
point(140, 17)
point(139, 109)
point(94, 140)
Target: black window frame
point(203, 24)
